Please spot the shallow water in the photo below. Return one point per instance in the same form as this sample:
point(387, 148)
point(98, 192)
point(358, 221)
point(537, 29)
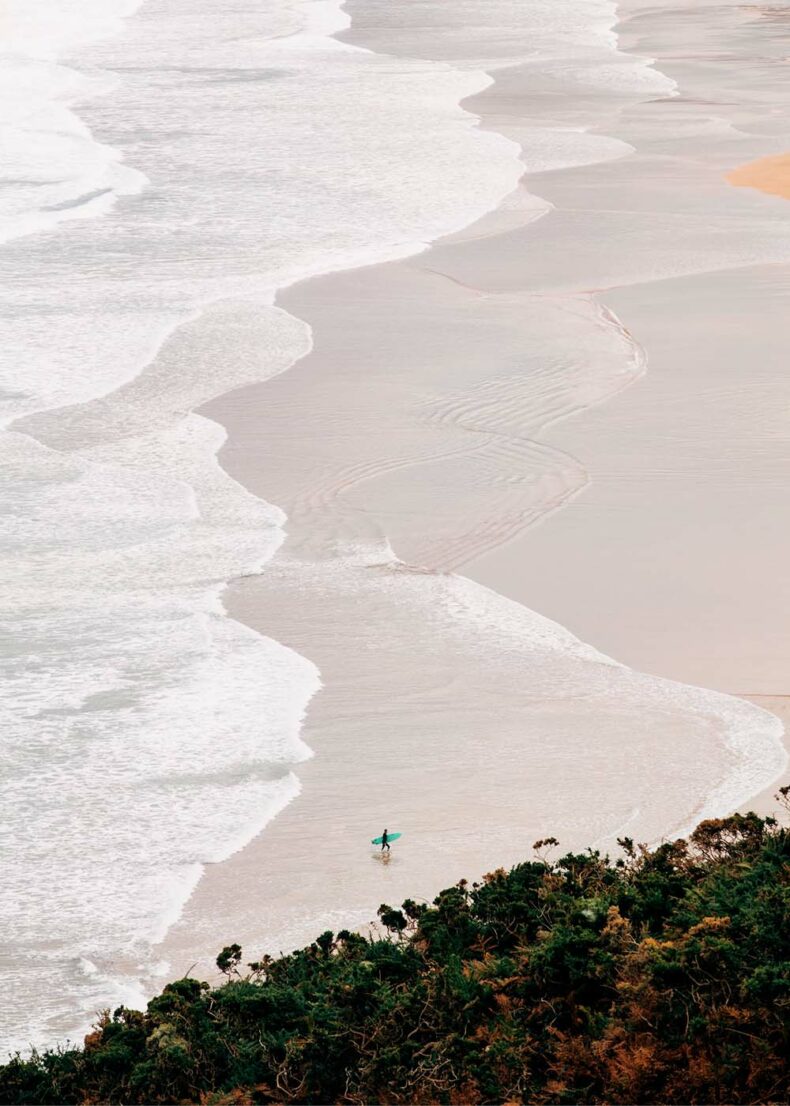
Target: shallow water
point(154, 169)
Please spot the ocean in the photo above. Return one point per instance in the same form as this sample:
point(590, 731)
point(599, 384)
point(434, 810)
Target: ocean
point(164, 164)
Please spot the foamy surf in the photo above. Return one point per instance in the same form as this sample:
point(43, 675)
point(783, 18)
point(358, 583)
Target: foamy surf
point(55, 170)
point(152, 735)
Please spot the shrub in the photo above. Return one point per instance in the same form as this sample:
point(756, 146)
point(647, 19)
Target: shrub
point(663, 977)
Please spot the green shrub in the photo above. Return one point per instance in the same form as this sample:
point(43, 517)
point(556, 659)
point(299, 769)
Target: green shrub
point(663, 977)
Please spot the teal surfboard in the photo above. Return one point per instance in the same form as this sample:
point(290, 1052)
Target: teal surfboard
point(390, 837)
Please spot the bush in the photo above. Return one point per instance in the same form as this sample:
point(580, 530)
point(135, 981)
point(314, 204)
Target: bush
point(661, 978)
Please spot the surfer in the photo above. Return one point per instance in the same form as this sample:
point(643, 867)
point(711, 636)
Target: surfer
point(385, 844)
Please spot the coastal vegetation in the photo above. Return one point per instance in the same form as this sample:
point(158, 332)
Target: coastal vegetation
point(660, 977)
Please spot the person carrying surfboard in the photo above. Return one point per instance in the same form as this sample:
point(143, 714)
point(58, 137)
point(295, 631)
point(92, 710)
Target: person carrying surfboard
point(385, 844)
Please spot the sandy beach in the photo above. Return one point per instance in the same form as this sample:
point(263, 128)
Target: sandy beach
point(395, 433)
point(767, 174)
point(569, 419)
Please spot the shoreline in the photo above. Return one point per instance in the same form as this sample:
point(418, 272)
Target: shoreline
point(139, 444)
point(243, 605)
point(462, 388)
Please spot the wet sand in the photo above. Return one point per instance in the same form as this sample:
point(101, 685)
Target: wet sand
point(768, 174)
point(451, 404)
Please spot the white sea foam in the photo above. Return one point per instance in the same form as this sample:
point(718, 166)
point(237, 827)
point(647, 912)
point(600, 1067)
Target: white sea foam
point(146, 733)
point(52, 167)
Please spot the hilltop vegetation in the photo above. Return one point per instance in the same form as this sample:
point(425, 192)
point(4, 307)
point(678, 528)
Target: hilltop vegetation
point(661, 978)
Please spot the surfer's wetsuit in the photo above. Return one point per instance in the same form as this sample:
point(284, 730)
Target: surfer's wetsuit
point(384, 842)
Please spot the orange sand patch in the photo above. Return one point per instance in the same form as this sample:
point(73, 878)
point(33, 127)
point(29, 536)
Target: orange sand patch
point(769, 174)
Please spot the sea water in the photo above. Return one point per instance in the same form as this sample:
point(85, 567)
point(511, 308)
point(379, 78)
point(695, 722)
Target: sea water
point(164, 163)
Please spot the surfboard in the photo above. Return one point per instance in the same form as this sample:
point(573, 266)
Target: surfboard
point(390, 837)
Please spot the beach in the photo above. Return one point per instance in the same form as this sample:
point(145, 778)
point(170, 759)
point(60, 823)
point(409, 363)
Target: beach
point(398, 416)
point(550, 412)
point(767, 174)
